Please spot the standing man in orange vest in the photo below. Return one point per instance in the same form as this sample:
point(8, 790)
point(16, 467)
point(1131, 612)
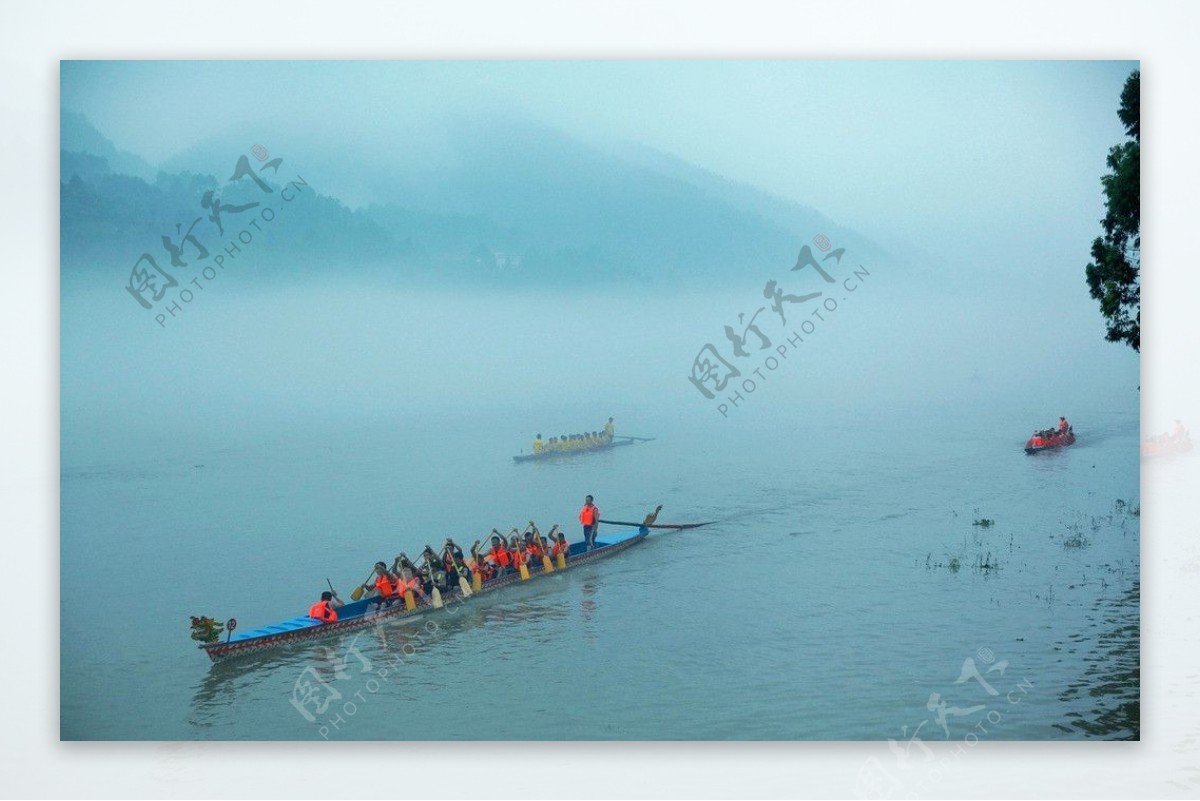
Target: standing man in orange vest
point(589, 516)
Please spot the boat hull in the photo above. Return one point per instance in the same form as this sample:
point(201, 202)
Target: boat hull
point(1060, 441)
point(537, 457)
point(355, 615)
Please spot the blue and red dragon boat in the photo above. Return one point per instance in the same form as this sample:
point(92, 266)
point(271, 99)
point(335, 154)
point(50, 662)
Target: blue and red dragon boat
point(367, 611)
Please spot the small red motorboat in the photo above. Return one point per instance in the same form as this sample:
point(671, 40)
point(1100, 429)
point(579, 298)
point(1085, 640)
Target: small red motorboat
point(1045, 440)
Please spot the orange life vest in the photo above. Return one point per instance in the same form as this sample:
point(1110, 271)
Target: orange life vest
point(385, 586)
point(518, 558)
point(588, 515)
point(323, 612)
point(534, 551)
point(559, 547)
point(500, 553)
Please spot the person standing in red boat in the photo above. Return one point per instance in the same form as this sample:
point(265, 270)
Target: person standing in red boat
point(323, 610)
point(1063, 426)
point(589, 517)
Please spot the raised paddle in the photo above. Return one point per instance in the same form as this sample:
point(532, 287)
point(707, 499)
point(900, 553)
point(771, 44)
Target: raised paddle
point(358, 591)
point(547, 565)
point(518, 555)
point(562, 559)
point(435, 596)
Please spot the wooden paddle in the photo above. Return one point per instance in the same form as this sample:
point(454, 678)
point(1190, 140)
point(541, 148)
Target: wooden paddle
point(459, 567)
point(476, 568)
point(547, 565)
point(562, 556)
point(332, 590)
point(435, 596)
point(410, 603)
point(358, 591)
point(519, 555)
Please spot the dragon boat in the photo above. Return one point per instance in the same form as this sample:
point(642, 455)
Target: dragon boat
point(547, 453)
point(368, 611)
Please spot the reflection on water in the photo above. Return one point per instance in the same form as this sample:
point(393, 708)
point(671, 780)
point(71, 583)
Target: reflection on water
point(1110, 688)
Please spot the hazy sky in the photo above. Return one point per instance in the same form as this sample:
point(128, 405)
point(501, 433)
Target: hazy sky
point(990, 169)
point(911, 150)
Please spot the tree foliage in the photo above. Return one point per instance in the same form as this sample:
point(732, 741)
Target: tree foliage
point(1114, 274)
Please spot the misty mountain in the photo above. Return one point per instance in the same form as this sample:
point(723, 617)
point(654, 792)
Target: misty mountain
point(509, 201)
point(78, 136)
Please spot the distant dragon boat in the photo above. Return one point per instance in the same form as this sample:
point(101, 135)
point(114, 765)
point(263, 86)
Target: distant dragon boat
point(367, 612)
point(615, 442)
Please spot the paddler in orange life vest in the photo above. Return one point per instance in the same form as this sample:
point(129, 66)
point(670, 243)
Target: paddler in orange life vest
point(452, 558)
point(589, 517)
point(480, 564)
point(383, 589)
point(533, 548)
point(516, 552)
point(560, 543)
point(323, 610)
point(406, 581)
point(499, 555)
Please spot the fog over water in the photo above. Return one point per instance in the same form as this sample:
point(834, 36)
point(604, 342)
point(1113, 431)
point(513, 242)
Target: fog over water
point(480, 252)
